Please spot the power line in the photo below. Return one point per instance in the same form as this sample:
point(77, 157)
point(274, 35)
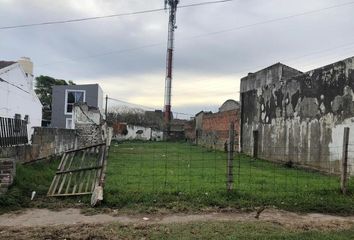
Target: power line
point(134, 104)
point(89, 118)
point(277, 19)
point(292, 59)
point(107, 16)
point(237, 28)
point(144, 107)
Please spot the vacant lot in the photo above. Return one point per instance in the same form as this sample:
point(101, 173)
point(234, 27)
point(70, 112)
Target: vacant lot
point(155, 177)
point(180, 176)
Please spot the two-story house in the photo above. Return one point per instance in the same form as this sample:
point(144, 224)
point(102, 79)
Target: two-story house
point(65, 96)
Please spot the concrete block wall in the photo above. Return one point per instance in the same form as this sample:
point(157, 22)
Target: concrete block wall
point(52, 141)
point(46, 142)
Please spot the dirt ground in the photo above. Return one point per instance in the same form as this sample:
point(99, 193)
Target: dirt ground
point(45, 218)
point(72, 224)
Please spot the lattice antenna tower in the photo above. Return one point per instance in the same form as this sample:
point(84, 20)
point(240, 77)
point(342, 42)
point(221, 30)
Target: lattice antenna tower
point(171, 5)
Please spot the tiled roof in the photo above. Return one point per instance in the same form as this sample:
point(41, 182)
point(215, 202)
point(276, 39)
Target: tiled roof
point(4, 64)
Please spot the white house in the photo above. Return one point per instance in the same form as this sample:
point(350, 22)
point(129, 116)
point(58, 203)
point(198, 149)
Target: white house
point(17, 96)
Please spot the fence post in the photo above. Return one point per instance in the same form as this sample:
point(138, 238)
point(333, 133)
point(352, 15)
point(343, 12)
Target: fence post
point(344, 173)
point(255, 144)
point(230, 157)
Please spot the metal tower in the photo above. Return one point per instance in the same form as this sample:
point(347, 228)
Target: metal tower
point(172, 6)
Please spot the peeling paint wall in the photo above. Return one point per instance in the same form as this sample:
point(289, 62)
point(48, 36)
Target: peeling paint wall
point(300, 117)
point(130, 132)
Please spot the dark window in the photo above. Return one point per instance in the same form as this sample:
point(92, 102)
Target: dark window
point(17, 126)
point(27, 118)
point(72, 98)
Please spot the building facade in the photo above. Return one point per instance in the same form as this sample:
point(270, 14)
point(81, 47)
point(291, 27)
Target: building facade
point(18, 99)
point(296, 117)
point(212, 129)
point(65, 97)
point(124, 132)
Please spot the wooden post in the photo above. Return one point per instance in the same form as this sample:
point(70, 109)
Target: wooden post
point(344, 175)
point(230, 157)
point(255, 144)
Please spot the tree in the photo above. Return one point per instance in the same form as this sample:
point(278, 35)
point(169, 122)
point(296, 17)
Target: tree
point(43, 89)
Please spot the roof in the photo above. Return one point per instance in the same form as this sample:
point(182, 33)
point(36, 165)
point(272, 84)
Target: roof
point(229, 105)
point(274, 66)
point(4, 64)
point(203, 112)
point(76, 86)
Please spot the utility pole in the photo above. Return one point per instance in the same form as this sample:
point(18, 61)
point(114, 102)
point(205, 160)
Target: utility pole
point(172, 5)
point(106, 107)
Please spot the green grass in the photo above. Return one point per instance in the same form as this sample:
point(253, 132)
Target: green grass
point(226, 230)
point(34, 177)
point(199, 230)
point(178, 176)
point(151, 176)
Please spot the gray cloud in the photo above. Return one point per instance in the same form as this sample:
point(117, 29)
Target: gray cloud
point(64, 50)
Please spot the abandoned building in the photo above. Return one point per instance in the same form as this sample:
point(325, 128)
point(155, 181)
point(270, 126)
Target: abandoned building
point(64, 98)
point(124, 132)
point(212, 129)
point(296, 117)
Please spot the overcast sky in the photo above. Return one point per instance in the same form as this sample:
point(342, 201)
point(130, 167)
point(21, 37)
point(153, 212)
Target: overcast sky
point(207, 67)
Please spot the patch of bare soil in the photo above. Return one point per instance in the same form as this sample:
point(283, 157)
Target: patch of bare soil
point(45, 218)
point(72, 224)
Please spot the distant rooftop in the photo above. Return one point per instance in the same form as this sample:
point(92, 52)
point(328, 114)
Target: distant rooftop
point(4, 64)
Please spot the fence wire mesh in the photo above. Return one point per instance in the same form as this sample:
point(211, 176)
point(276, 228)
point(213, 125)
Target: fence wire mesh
point(166, 167)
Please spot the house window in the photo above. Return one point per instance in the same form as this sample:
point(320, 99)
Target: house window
point(72, 97)
point(69, 123)
point(26, 119)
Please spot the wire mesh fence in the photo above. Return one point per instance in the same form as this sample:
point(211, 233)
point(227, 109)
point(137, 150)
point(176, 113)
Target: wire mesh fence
point(165, 167)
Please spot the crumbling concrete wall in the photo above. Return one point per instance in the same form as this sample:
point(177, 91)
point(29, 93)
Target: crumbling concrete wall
point(89, 134)
point(123, 131)
point(299, 117)
point(89, 124)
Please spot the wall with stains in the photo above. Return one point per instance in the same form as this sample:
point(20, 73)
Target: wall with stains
point(300, 117)
point(215, 129)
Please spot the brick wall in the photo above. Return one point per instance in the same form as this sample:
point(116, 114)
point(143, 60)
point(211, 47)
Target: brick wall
point(189, 130)
point(7, 173)
point(215, 129)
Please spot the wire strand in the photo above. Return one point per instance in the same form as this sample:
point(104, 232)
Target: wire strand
point(237, 28)
point(108, 16)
